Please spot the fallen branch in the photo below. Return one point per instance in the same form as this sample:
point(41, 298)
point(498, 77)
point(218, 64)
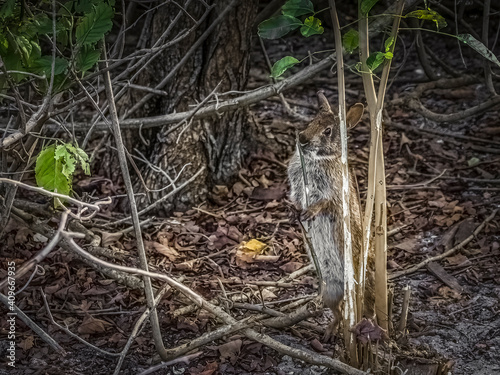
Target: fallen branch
point(212, 109)
point(413, 100)
point(446, 253)
point(32, 325)
point(302, 354)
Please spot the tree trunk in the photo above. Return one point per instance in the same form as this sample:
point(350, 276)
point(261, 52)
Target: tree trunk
point(219, 143)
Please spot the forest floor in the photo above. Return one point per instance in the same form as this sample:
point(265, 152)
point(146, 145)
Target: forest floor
point(440, 188)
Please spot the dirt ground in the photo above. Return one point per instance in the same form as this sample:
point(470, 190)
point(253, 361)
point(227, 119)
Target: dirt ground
point(440, 189)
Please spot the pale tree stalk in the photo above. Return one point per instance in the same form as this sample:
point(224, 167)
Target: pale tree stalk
point(350, 315)
point(381, 306)
point(371, 99)
point(376, 191)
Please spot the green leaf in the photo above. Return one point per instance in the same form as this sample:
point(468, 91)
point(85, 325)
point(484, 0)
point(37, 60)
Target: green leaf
point(7, 9)
point(388, 55)
point(478, 47)
point(42, 24)
point(95, 24)
point(13, 62)
point(297, 8)
point(24, 46)
point(350, 40)
point(83, 159)
point(281, 66)
point(68, 160)
point(49, 172)
point(388, 43)
point(277, 27)
point(4, 44)
point(44, 64)
point(83, 6)
point(367, 5)
point(86, 58)
point(36, 53)
point(375, 60)
point(312, 26)
point(429, 15)
point(473, 162)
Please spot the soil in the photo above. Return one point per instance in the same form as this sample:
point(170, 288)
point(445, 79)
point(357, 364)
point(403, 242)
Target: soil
point(457, 325)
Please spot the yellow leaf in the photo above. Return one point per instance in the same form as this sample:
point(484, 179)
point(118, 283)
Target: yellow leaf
point(253, 246)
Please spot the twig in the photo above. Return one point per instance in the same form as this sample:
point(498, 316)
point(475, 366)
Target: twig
point(304, 355)
point(139, 325)
point(71, 333)
point(162, 199)
point(42, 254)
point(446, 253)
point(413, 129)
point(224, 106)
point(184, 59)
point(32, 325)
point(159, 366)
point(413, 100)
point(420, 184)
point(404, 311)
point(122, 158)
point(95, 207)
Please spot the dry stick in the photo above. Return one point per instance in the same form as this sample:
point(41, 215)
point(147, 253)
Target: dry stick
point(64, 329)
point(446, 253)
point(413, 100)
point(42, 254)
point(448, 69)
point(187, 359)
point(282, 320)
point(149, 56)
point(303, 354)
point(350, 313)
point(148, 288)
point(138, 326)
point(223, 106)
point(162, 199)
point(81, 204)
point(209, 337)
point(420, 184)
point(413, 129)
point(416, 105)
point(44, 229)
point(31, 324)
point(404, 311)
point(185, 58)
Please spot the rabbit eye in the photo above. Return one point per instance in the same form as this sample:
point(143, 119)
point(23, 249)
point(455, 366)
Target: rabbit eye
point(327, 132)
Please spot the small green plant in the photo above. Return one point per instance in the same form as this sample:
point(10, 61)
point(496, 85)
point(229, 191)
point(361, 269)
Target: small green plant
point(279, 26)
point(27, 31)
point(56, 165)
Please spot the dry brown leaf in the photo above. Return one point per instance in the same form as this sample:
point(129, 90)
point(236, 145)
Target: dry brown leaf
point(290, 267)
point(230, 351)
point(91, 325)
point(27, 343)
point(166, 250)
point(108, 238)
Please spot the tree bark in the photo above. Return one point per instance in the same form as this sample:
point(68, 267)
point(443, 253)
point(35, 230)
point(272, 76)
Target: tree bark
point(219, 143)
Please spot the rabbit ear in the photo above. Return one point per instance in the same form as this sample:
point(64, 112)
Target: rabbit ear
point(354, 115)
point(324, 106)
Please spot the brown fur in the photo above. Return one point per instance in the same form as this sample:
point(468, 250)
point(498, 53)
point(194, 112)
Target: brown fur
point(320, 144)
